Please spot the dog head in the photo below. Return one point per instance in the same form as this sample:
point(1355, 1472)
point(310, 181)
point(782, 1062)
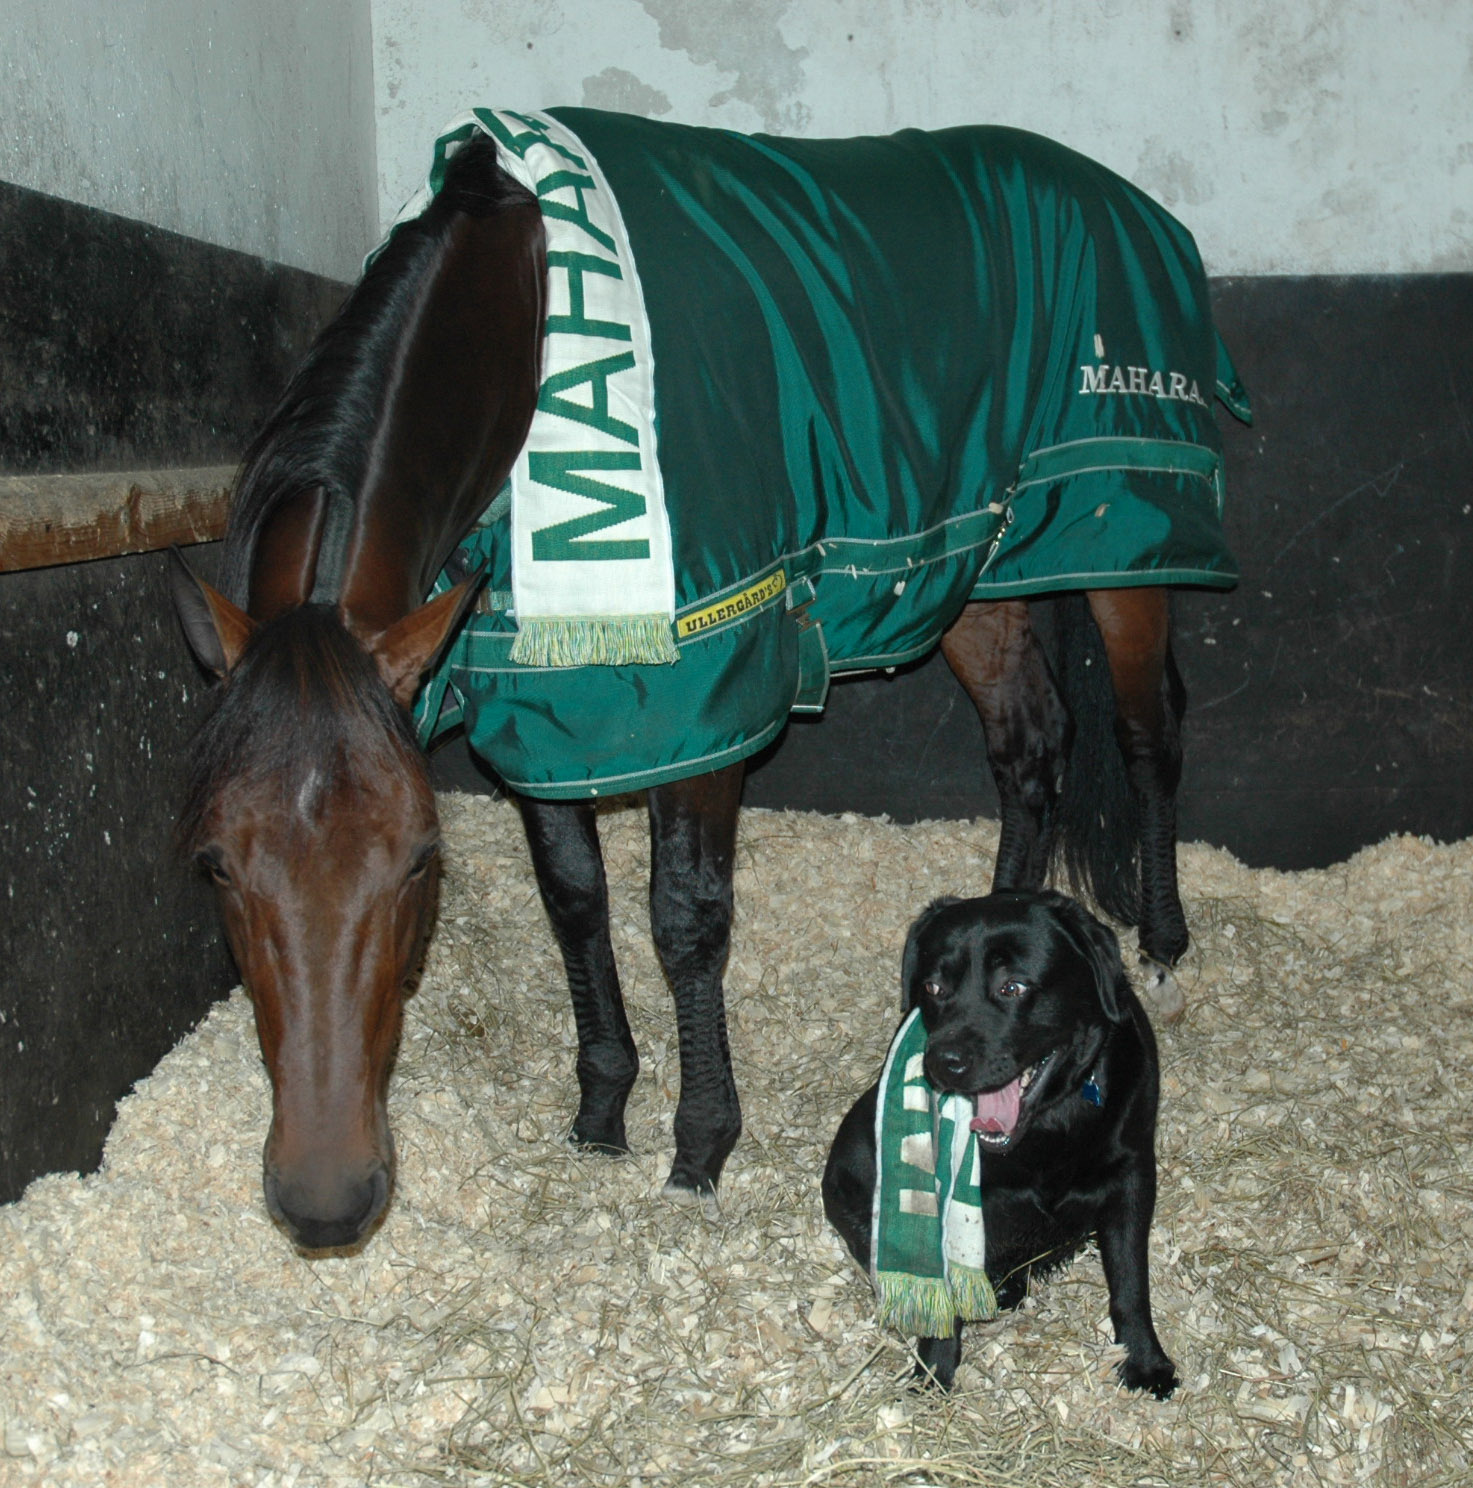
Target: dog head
point(1018, 992)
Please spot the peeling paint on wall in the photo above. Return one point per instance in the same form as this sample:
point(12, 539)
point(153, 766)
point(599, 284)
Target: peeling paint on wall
point(1170, 176)
point(622, 92)
point(745, 40)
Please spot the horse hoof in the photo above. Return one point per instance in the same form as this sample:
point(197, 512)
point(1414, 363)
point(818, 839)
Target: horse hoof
point(605, 1147)
point(1162, 994)
point(703, 1199)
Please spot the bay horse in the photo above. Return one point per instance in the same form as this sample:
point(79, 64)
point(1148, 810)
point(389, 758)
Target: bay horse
point(308, 801)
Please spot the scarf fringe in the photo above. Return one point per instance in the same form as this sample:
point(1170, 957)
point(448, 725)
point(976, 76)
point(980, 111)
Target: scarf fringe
point(929, 1306)
point(972, 1296)
point(914, 1304)
point(595, 640)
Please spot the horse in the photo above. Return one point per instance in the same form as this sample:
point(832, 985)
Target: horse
point(308, 802)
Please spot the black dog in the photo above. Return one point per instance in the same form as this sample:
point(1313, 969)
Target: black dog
point(1023, 996)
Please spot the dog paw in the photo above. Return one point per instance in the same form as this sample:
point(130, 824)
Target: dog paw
point(925, 1381)
point(1162, 994)
point(1159, 1377)
point(936, 1362)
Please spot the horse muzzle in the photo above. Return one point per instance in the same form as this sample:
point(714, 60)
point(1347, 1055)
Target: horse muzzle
point(328, 1211)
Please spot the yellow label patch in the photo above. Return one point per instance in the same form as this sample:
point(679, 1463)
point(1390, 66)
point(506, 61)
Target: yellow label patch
point(732, 606)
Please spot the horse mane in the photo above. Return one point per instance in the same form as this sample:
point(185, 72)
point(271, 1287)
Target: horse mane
point(320, 431)
point(303, 705)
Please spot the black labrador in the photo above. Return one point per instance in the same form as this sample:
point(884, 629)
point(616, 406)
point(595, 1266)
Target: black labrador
point(1027, 1007)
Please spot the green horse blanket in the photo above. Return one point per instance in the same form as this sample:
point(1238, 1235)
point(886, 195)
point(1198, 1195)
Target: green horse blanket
point(802, 399)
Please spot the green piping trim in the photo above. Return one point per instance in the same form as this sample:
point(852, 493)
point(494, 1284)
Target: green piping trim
point(849, 664)
point(1140, 579)
point(1148, 456)
point(618, 785)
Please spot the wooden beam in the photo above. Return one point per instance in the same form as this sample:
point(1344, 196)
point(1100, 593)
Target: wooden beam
point(47, 519)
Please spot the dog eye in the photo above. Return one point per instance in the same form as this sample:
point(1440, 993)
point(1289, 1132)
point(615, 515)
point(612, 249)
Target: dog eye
point(935, 989)
point(1012, 988)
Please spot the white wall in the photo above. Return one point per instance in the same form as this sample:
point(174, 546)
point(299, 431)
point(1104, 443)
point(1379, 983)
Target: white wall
point(1322, 136)
point(247, 123)
point(1317, 136)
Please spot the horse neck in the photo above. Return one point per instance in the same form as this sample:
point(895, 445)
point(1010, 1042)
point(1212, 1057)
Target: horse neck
point(457, 401)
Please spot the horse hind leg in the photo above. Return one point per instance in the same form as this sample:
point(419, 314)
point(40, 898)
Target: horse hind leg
point(996, 656)
point(1135, 627)
point(563, 837)
point(692, 856)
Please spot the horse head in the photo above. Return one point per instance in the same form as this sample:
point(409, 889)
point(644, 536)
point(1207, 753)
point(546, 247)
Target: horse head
point(309, 807)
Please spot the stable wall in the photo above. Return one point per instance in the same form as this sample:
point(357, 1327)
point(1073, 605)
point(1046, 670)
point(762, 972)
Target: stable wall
point(1330, 696)
point(1324, 137)
point(121, 347)
point(160, 164)
point(245, 125)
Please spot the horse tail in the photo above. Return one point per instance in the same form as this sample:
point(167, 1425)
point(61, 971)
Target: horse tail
point(1098, 821)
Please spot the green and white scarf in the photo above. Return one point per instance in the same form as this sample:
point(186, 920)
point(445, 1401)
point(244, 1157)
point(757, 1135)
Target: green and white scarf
point(592, 572)
point(928, 1250)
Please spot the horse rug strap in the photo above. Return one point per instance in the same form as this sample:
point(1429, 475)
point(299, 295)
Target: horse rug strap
point(928, 1245)
point(592, 571)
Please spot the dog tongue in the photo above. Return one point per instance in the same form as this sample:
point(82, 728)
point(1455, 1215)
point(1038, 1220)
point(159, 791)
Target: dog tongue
point(997, 1110)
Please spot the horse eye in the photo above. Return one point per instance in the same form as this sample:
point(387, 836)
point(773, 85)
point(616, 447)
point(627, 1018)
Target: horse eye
point(427, 855)
point(209, 861)
point(1012, 988)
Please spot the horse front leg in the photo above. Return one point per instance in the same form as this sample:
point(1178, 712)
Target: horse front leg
point(1135, 627)
point(995, 654)
point(692, 848)
point(563, 837)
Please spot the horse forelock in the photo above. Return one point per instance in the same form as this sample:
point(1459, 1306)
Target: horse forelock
point(303, 716)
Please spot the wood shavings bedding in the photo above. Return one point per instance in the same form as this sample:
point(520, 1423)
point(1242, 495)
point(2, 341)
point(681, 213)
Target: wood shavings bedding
point(530, 1315)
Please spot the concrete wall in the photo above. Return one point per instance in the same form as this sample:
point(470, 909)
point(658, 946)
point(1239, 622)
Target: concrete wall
point(249, 125)
point(1325, 137)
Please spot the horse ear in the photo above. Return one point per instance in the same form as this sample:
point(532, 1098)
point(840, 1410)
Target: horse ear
point(406, 649)
point(217, 630)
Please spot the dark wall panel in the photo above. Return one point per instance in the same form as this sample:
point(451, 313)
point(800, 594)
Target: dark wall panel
point(1332, 694)
point(109, 947)
point(121, 347)
point(126, 347)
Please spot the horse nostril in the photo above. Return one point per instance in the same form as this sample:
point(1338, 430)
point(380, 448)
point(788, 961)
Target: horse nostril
point(320, 1222)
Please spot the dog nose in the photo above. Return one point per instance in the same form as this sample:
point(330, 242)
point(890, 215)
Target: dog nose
point(947, 1067)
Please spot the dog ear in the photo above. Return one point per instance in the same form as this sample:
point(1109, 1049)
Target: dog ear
point(908, 962)
point(1101, 948)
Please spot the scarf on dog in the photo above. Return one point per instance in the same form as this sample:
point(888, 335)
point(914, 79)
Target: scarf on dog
point(928, 1249)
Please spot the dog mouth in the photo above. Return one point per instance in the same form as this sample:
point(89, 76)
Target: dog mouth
point(998, 1111)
